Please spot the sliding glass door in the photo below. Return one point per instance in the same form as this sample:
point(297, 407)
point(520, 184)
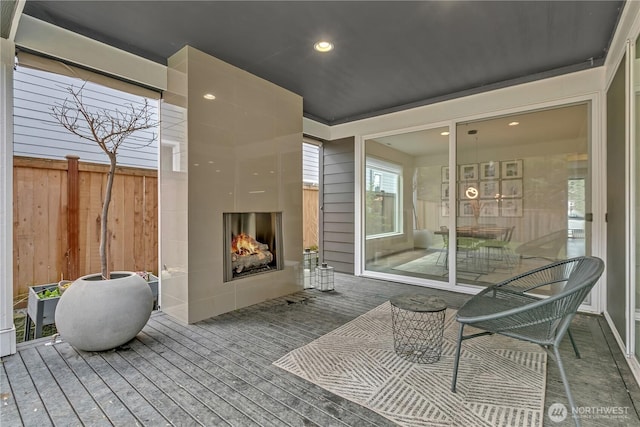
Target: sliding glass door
point(405, 204)
point(523, 192)
point(518, 197)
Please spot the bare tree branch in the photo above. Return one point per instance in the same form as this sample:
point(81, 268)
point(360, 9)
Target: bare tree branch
point(109, 129)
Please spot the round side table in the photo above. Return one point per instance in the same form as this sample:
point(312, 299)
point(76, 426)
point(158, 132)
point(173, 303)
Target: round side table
point(418, 326)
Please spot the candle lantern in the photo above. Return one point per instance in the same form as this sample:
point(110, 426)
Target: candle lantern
point(309, 265)
point(324, 278)
point(310, 260)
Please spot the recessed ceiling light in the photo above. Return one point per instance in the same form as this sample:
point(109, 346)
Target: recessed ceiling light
point(514, 123)
point(209, 96)
point(445, 133)
point(323, 46)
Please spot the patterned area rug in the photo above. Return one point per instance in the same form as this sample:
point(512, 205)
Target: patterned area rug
point(501, 381)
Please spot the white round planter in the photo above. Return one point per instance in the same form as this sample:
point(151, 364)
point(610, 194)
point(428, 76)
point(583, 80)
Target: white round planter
point(95, 314)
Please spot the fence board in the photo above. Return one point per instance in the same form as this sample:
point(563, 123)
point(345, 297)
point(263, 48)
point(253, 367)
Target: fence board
point(310, 216)
point(40, 221)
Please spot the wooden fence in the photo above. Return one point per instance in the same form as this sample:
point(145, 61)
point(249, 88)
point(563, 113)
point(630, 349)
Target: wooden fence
point(56, 212)
point(309, 216)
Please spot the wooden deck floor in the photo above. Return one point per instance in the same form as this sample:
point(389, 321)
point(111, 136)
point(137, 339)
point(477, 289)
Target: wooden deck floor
point(219, 372)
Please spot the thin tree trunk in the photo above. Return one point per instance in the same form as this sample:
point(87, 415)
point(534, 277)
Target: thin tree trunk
point(105, 213)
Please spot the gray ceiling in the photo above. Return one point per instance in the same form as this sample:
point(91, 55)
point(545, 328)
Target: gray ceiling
point(388, 56)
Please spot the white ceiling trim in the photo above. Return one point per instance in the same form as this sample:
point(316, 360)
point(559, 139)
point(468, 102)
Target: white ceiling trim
point(48, 39)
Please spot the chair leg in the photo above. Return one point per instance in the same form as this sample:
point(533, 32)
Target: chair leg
point(573, 343)
point(572, 405)
point(457, 361)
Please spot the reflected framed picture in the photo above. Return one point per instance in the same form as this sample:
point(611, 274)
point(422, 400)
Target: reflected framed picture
point(444, 192)
point(489, 208)
point(468, 190)
point(465, 208)
point(511, 188)
point(511, 208)
point(511, 169)
point(445, 174)
point(469, 172)
point(489, 189)
point(444, 208)
point(490, 170)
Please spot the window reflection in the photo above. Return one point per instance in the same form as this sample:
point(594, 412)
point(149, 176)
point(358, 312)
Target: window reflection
point(520, 194)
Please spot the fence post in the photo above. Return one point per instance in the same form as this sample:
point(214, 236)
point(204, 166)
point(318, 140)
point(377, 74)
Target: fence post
point(73, 217)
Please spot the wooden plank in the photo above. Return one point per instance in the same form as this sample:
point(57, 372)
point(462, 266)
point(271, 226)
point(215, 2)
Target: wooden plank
point(138, 377)
point(34, 163)
point(229, 341)
point(56, 225)
point(310, 215)
point(271, 398)
point(56, 404)
point(134, 226)
point(95, 380)
point(25, 393)
point(40, 224)
point(151, 210)
point(73, 218)
point(226, 394)
point(74, 391)
point(10, 414)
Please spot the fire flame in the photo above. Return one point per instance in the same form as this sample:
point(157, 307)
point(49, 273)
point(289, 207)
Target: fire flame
point(243, 244)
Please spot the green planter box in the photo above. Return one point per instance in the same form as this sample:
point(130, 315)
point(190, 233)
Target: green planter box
point(40, 311)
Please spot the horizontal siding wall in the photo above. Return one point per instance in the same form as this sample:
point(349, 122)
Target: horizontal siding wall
point(338, 213)
point(38, 134)
point(310, 163)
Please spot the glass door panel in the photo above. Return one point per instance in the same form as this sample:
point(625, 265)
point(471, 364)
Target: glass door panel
point(521, 196)
point(406, 203)
point(636, 178)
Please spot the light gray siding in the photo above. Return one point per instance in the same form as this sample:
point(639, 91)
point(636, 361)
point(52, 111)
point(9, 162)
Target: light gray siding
point(338, 213)
point(37, 134)
point(310, 163)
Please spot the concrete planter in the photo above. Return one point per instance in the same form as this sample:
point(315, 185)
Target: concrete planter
point(95, 314)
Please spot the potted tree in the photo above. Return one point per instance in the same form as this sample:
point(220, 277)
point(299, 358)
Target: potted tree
point(104, 310)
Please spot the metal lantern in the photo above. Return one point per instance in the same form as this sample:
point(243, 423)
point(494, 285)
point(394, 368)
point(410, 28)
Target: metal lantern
point(324, 278)
point(309, 265)
point(310, 260)
point(308, 278)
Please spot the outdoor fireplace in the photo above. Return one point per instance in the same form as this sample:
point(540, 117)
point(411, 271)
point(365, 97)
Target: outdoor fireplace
point(253, 243)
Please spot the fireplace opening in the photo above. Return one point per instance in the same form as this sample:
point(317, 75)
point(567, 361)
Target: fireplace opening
point(253, 243)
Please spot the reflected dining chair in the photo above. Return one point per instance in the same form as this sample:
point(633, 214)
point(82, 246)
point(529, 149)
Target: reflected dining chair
point(502, 247)
point(509, 309)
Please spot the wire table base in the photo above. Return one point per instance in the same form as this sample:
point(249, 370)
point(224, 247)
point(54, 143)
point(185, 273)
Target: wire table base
point(418, 326)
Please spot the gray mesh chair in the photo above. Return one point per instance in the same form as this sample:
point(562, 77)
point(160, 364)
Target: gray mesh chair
point(508, 309)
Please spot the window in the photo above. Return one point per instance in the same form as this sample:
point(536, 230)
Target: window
point(383, 198)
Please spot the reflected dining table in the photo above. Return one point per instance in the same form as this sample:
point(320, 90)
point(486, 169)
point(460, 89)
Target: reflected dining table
point(470, 239)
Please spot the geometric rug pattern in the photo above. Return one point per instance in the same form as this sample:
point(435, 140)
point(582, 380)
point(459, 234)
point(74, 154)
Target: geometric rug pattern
point(501, 381)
